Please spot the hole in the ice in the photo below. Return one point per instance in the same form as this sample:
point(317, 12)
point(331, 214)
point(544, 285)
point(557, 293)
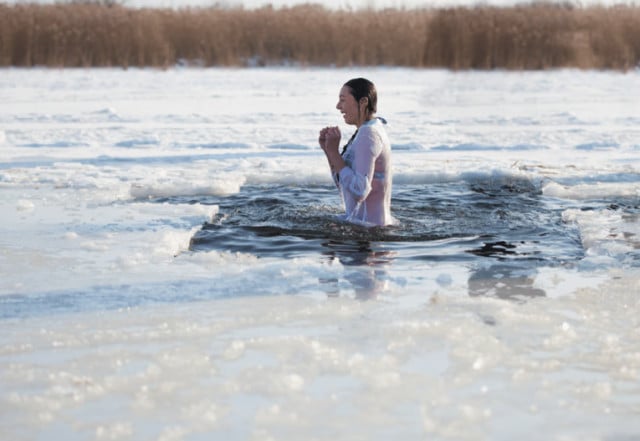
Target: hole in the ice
point(439, 221)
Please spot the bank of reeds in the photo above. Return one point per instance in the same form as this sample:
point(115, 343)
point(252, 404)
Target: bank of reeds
point(535, 36)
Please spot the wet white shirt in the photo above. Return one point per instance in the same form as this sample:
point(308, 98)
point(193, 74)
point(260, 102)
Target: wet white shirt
point(365, 183)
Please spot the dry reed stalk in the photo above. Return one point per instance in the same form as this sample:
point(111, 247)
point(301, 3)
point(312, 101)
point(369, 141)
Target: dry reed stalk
point(536, 36)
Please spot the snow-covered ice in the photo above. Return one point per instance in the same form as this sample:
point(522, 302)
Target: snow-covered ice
point(112, 327)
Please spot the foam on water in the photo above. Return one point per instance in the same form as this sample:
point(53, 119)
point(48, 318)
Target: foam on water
point(171, 265)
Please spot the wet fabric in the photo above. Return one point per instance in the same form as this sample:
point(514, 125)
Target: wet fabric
point(366, 182)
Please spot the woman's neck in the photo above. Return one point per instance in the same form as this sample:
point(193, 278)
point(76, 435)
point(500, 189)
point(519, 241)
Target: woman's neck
point(364, 121)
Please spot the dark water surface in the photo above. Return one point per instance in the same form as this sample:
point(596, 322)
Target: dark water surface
point(446, 221)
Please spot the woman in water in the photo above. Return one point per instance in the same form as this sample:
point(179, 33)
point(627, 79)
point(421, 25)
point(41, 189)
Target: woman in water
point(362, 171)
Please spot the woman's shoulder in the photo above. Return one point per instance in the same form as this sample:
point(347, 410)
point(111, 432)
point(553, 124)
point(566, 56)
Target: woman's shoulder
point(375, 125)
point(375, 122)
point(373, 137)
point(375, 129)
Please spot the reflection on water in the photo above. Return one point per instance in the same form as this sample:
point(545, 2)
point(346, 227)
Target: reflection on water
point(504, 281)
point(366, 267)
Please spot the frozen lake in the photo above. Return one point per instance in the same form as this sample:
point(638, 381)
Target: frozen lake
point(171, 267)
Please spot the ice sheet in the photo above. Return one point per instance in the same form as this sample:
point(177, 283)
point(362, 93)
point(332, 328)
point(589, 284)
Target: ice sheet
point(113, 329)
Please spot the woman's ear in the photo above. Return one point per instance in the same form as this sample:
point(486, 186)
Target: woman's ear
point(364, 101)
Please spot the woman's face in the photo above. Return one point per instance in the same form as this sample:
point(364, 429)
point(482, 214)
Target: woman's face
point(348, 106)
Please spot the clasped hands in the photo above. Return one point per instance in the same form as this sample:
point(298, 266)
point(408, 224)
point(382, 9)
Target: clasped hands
point(329, 139)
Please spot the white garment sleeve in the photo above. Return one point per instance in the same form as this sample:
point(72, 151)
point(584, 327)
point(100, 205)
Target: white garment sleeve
point(357, 178)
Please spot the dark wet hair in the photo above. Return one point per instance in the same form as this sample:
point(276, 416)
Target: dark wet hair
point(363, 88)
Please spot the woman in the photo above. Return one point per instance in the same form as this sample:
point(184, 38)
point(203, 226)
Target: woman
point(362, 171)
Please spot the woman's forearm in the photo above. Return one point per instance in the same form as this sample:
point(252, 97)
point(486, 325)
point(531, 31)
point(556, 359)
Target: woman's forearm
point(336, 163)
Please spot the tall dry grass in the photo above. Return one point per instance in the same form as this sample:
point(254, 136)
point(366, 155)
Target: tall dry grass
point(536, 36)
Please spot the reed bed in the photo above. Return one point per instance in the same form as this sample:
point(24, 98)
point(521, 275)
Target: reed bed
point(536, 36)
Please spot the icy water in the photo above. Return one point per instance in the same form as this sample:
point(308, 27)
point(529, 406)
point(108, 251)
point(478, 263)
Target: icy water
point(511, 220)
point(508, 223)
point(172, 267)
